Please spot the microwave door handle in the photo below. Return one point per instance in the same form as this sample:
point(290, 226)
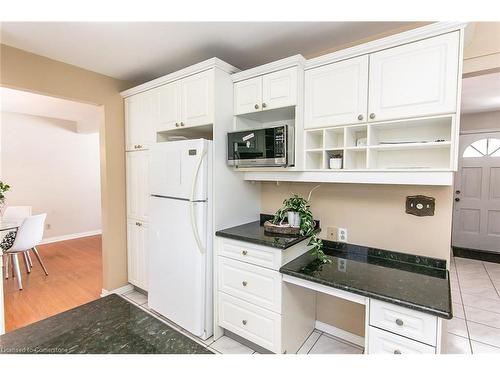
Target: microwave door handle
point(194, 226)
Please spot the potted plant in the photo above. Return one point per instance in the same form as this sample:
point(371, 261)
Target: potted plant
point(3, 189)
point(299, 206)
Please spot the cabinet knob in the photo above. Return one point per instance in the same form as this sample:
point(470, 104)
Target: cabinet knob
point(264, 105)
point(360, 117)
point(256, 106)
point(372, 115)
point(399, 322)
point(182, 124)
point(397, 351)
point(244, 283)
point(244, 252)
point(176, 125)
point(139, 146)
point(138, 224)
point(244, 322)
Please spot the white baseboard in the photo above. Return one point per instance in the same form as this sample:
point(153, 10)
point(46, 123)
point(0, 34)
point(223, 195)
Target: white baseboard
point(70, 236)
point(120, 290)
point(340, 333)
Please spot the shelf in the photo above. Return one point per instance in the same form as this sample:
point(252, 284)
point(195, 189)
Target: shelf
point(411, 146)
point(391, 177)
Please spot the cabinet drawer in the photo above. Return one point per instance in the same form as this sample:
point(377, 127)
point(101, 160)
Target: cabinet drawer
point(251, 322)
point(257, 255)
point(405, 322)
point(253, 284)
point(382, 342)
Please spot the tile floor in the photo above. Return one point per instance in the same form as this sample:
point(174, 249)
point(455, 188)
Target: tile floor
point(475, 327)
point(317, 343)
point(475, 293)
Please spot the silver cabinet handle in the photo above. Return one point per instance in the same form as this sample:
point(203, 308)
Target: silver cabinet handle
point(397, 351)
point(244, 322)
point(138, 224)
point(360, 117)
point(372, 115)
point(264, 105)
point(244, 252)
point(176, 125)
point(256, 106)
point(399, 322)
point(244, 283)
point(182, 124)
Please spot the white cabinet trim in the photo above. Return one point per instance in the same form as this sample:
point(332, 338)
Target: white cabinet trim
point(296, 60)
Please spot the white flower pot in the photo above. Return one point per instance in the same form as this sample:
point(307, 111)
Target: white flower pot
point(293, 219)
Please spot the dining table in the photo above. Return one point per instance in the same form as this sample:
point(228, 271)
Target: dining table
point(10, 224)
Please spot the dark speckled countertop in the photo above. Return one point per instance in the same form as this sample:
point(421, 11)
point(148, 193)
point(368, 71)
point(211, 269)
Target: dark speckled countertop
point(415, 282)
point(254, 233)
point(106, 326)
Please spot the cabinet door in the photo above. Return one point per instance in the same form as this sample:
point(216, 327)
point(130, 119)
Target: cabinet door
point(197, 101)
point(337, 94)
point(140, 118)
point(415, 79)
point(169, 106)
point(248, 96)
point(137, 184)
point(279, 89)
point(137, 253)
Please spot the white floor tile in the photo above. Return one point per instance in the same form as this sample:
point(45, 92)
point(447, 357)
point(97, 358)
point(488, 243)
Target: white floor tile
point(484, 334)
point(308, 344)
point(481, 302)
point(482, 316)
point(328, 345)
point(456, 297)
point(458, 310)
point(226, 345)
point(480, 348)
point(137, 297)
point(458, 327)
point(457, 345)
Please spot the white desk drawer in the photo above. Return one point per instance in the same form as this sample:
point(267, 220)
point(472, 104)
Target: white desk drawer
point(383, 342)
point(253, 254)
point(251, 322)
point(405, 322)
point(253, 284)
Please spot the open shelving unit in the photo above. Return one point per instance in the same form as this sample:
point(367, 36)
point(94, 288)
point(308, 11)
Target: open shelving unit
point(404, 145)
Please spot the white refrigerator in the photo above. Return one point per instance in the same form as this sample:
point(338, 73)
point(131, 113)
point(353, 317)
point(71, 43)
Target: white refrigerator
point(180, 266)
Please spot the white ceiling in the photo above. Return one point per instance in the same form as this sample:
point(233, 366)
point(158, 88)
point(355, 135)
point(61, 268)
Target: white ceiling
point(481, 93)
point(87, 117)
point(141, 51)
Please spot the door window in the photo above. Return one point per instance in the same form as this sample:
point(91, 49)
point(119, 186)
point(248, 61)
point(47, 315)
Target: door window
point(483, 147)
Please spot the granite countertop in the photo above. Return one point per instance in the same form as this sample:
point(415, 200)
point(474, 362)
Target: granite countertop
point(415, 282)
point(106, 326)
point(254, 233)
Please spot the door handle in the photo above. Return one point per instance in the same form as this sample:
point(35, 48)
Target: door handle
point(457, 192)
point(457, 199)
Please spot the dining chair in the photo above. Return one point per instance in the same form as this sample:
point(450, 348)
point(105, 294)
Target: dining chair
point(15, 213)
point(28, 236)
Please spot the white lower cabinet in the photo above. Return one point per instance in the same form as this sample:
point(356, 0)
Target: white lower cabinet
point(137, 253)
point(383, 342)
point(254, 302)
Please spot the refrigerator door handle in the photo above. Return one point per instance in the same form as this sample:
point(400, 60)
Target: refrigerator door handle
point(194, 226)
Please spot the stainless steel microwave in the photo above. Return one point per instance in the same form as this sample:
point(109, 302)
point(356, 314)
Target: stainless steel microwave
point(265, 147)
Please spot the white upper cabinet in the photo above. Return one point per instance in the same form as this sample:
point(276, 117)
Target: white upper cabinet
point(269, 91)
point(415, 79)
point(140, 119)
point(137, 165)
point(169, 106)
point(248, 96)
point(337, 94)
point(279, 89)
point(197, 99)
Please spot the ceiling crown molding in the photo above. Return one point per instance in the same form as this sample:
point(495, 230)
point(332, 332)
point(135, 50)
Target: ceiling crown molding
point(288, 62)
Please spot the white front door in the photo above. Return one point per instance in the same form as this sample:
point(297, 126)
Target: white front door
point(476, 214)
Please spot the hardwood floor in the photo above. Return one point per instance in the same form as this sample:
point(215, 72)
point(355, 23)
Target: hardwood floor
point(75, 278)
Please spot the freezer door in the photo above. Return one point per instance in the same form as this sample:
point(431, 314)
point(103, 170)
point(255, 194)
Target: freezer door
point(173, 169)
point(177, 269)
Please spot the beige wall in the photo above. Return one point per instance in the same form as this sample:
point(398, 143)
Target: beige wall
point(54, 169)
point(480, 121)
point(374, 215)
point(26, 71)
point(482, 50)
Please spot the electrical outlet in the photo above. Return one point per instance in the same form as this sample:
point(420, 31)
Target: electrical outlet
point(331, 233)
point(342, 234)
